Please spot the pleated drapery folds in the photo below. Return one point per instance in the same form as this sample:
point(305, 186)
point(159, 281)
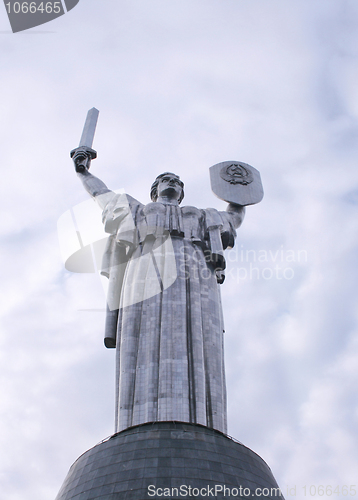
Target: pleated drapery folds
point(167, 325)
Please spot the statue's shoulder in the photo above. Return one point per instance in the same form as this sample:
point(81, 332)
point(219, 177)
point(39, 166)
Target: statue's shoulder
point(119, 206)
point(122, 200)
point(154, 207)
point(190, 211)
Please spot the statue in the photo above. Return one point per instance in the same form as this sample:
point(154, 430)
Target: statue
point(165, 264)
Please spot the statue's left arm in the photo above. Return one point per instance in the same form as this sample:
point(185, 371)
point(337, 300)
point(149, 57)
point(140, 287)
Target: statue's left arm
point(221, 233)
point(237, 213)
point(232, 219)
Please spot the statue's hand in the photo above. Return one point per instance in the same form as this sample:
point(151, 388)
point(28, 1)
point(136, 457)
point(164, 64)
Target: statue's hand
point(82, 157)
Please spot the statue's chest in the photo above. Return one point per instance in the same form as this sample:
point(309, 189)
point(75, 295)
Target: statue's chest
point(186, 222)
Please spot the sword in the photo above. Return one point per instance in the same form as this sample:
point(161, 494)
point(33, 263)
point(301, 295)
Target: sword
point(84, 152)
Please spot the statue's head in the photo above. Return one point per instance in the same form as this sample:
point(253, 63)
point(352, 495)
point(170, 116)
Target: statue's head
point(167, 184)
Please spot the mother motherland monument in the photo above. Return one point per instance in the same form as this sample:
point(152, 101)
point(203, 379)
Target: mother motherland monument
point(165, 264)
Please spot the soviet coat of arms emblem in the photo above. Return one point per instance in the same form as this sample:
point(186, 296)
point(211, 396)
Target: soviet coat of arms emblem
point(235, 173)
point(236, 182)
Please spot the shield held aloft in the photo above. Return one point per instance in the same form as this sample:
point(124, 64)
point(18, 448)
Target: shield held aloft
point(236, 182)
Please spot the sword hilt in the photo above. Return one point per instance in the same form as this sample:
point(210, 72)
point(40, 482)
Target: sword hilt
point(82, 157)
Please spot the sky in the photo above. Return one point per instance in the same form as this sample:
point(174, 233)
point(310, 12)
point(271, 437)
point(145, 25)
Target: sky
point(182, 85)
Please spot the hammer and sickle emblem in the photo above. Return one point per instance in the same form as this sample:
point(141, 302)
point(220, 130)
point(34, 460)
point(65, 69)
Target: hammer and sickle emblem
point(236, 174)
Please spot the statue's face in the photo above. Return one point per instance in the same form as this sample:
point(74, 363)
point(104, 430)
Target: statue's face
point(170, 187)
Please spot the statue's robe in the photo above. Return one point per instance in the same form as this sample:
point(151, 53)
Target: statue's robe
point(165, 316)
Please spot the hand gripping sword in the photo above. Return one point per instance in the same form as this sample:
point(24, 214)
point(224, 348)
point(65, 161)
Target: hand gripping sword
point(83, 161)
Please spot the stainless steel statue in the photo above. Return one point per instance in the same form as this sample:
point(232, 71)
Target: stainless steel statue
point(165, 263)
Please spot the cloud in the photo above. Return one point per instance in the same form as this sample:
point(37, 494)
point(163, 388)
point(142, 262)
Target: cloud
point(186, 85)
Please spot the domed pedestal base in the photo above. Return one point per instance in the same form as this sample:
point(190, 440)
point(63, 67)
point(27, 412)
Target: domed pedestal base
point(172, 460)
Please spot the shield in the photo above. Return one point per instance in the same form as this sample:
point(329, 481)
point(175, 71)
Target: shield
point(236, 182)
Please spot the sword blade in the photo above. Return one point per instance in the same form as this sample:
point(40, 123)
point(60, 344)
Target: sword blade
point(89, 128)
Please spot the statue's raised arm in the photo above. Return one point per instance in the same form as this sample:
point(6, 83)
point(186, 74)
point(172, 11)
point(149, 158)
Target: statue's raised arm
point(94, 186)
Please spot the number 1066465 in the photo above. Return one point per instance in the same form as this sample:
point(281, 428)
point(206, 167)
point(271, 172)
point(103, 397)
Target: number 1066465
point(34, 7)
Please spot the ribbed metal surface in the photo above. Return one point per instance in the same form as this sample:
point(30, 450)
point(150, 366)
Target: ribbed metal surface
point(189, 460)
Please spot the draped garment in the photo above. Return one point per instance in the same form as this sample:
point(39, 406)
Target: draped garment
point(165, 316)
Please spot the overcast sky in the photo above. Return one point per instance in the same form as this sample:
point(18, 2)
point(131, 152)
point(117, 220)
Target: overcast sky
point(182, 85)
